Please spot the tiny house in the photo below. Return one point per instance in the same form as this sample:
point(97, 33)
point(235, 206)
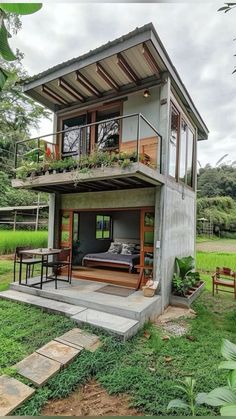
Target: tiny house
point(120, 163)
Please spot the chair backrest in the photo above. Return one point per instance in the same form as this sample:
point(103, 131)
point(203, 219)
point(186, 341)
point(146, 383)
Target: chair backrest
point(64, 255)
point(225, 272)
point(19, 249)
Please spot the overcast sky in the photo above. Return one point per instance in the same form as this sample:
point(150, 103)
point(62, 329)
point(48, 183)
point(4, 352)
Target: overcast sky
point(198, 39)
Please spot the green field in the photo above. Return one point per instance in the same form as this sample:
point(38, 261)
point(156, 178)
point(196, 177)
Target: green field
point(9, 240)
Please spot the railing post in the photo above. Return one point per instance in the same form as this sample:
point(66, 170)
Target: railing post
point(38, 149)
point(16, 152)
point(138, 136)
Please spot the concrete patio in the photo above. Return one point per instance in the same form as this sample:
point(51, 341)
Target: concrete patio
point(80, 301)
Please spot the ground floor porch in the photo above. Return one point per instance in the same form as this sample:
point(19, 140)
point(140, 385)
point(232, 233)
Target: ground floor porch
point(87, 302)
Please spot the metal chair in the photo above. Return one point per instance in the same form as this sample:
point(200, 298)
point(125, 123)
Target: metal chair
point(62, 260)
point(224, 277)
point(29, 262)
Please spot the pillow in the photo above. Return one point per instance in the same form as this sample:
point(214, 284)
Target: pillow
point(115, 248)
point(128, 249)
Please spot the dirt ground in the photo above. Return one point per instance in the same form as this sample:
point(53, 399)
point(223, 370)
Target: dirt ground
point(90, 400)
point(224, 246)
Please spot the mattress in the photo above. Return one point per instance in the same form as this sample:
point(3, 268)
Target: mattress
point(126, 260)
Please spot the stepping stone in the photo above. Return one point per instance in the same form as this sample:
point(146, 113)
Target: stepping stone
point(37, 368)
point(12, 394)
point(77, 338)
point(59, 352)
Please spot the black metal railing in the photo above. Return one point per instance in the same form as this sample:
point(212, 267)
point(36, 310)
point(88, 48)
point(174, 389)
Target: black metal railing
point(131, 134)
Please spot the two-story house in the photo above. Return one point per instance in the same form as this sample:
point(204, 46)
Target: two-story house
point(120, 163)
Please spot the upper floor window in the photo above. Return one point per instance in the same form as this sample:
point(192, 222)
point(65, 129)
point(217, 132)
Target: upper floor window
point(181, 149)
point(174, 135)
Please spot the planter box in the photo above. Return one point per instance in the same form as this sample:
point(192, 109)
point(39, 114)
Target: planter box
point(179, 301)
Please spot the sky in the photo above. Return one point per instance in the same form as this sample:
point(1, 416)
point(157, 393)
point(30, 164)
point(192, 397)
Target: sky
point(199, 40)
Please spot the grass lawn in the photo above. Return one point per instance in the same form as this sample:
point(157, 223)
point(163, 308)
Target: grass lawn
point(24, 328)
point(137, 367)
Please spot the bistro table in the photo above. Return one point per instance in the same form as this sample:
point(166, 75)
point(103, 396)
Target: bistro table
point(44, 253)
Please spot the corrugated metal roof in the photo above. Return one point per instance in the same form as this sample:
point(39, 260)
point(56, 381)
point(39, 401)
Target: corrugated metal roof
point(148, 26)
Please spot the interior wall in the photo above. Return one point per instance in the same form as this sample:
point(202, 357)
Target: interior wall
point(125, 224)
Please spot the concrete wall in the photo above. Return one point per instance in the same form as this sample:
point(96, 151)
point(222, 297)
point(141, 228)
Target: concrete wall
point(128, 198)
point(149, 107)
point(179, 234)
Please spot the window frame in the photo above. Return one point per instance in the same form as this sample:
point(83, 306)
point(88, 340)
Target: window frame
point(183, 117)
point(110, 230)
point(172, 106)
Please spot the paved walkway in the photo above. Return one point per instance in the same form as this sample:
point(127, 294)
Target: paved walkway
point(41, 365)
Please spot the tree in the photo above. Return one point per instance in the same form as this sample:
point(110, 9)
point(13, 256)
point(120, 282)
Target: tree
point(227, 8)
point(19, 114)
point(6, 11)
point(217, 181)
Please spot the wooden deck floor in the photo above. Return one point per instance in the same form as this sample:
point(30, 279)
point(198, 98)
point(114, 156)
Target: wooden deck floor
point(115, 276)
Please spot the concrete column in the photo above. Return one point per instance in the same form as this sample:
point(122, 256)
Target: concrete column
point(51, 219)
point(164, 131)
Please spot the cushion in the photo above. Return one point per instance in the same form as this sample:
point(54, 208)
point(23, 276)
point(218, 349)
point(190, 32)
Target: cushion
point(128, 249)
point(115, 248)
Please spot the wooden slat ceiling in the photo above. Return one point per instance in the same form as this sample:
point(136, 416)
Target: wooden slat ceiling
point(128, 68)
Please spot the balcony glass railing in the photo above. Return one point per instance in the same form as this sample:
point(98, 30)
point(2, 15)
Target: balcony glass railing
point(124, 139)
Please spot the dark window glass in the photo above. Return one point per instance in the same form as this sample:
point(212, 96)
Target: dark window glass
point(174, 134)
point(103, 227)
point(183, 150)
point(76, 140)
point(107, 137)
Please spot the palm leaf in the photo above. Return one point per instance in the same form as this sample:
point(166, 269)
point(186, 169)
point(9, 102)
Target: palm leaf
point(220, 396)
point(21, 8)
point(180, 404)
point(229, 410)
point(5, 50)
point(228, 350)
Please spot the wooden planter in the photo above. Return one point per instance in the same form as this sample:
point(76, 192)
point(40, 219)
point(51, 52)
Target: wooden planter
point(186, 301)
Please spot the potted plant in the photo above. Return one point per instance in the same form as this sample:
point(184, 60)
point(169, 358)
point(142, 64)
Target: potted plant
point(186, 282)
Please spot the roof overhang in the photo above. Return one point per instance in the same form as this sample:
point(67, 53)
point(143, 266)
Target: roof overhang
point(132, 62)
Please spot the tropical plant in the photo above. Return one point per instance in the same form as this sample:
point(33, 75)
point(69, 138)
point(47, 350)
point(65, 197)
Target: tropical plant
point(5, 51)
point(184, 278)
point(189, 403)
point(224, 397)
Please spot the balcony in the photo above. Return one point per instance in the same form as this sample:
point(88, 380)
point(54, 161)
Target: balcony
point(117, 153)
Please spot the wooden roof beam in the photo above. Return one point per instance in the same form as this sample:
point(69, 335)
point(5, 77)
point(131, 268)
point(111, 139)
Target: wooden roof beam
point(151, 60)
point(126, 68)
point(63, 84)
point(87, 84)
point(53, 95)
point(106, 77)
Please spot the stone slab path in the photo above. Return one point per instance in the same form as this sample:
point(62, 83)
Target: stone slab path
point(80, 339)
point(43, 364)
point(12, 394)
point(37, 368)
point(59, 352)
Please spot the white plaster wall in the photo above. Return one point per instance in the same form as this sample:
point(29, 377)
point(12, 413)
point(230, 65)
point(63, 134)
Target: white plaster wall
point(149, 107)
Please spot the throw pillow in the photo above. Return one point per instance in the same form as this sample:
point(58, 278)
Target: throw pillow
point(115, 248)
point(128, 249)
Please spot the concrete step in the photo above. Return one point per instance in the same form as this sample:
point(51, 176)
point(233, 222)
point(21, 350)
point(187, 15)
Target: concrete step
point(118, 325)
point(53, 306)
point(134, 307)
